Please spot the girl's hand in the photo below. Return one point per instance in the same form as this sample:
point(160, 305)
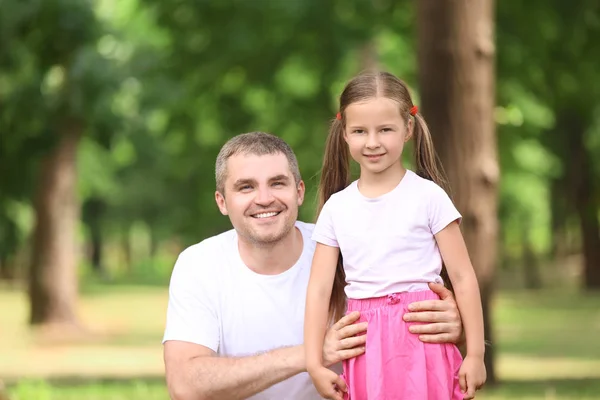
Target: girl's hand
point(472, 375)
point(329, 384)
point(345, 339)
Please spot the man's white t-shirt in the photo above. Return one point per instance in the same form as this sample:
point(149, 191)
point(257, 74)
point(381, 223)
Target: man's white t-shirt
point(216, 301)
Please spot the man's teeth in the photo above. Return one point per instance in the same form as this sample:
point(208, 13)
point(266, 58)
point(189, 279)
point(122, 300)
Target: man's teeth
point(266, 215)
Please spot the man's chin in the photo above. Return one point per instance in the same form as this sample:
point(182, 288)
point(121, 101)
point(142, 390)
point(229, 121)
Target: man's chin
point(269, 236)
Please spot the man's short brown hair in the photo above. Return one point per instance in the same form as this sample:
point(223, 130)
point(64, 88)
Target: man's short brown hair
point(255, 143)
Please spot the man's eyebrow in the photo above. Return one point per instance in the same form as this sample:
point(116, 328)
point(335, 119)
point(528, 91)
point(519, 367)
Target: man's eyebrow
point(280, 178)
point(243, 181)
point(246, 181)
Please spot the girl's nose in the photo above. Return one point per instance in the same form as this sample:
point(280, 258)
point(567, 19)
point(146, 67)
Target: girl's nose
point(372, 141)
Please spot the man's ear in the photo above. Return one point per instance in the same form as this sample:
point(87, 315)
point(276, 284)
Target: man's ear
point(301, 191)
point(220, 199)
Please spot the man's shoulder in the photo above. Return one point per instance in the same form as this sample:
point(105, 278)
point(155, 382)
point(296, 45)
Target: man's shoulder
point(306, 228)
point(210, 244)
point(307, 231)
point(205, 252)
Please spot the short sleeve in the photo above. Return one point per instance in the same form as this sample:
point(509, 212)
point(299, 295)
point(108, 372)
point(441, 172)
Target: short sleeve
point(441, 210)
point(191, 310)
point(324, 231)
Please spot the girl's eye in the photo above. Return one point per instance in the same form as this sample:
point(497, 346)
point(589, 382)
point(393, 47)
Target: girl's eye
point(386, 129)
point(359, 131)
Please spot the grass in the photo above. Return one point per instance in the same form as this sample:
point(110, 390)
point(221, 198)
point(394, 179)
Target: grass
point(133, 389)
point(546, 345)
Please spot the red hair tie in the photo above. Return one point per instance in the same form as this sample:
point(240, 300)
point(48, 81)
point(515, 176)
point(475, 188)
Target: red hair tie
point(338, 117)
point(414, 110)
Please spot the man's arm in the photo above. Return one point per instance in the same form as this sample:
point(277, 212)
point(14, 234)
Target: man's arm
point(195, 372)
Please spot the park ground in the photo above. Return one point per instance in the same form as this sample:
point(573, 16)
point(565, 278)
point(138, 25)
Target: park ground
point(547, 345)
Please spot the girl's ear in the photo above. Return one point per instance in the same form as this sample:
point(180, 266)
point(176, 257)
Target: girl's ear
point(409, 129)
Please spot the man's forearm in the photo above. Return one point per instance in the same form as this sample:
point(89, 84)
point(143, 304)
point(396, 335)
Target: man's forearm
point(235, 378)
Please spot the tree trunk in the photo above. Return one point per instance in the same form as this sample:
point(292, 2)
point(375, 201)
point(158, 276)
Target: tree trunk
point(456, 53)
point(9, 244)
point(368, 56)
point(53, 282)
point(8, 270)
point(93, 213)
point(127, 251)
point(559, 208)
point(591, 244)
point(530, 260)
point(96, 256)
point(581, 176)
point(154, 243)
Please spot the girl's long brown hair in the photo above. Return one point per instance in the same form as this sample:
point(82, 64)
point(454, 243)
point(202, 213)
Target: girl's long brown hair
point(335, 173)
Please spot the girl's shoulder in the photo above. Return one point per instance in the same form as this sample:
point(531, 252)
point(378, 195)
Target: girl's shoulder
point(425, 186)
point(344, 194)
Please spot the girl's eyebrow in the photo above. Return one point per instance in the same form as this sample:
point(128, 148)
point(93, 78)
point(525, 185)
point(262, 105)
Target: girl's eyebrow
point(378, 126)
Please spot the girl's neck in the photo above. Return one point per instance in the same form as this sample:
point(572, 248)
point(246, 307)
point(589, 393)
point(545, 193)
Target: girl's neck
point(377, 184)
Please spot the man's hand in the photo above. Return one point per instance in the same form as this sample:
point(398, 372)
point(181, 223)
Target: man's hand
point(442, 323)
point(342, 341)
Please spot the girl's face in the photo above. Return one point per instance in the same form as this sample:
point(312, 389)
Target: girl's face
point(376, 133)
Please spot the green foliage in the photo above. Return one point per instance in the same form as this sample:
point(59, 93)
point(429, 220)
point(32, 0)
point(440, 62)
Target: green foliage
point(545, 72)
point(161, 85)
point(52, 73)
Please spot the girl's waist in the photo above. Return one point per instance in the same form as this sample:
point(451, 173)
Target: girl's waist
point(400, 298)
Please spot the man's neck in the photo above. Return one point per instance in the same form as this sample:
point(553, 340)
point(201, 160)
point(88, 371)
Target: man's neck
point(272, 259)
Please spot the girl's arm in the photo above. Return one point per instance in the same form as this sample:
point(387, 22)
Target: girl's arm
point(322, 274)
point(466, 289)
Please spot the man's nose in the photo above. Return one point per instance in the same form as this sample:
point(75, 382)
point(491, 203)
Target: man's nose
point(264, 196)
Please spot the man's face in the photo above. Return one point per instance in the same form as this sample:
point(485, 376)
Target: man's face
point(261, 197)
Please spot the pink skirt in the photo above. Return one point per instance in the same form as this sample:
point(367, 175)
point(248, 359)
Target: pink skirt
point(396, 365)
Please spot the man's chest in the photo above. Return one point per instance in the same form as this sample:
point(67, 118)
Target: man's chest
point(260, 316)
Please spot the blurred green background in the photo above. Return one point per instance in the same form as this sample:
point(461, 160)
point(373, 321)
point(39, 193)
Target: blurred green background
point(111, 116)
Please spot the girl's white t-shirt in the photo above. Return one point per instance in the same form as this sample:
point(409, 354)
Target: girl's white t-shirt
point(387, 242)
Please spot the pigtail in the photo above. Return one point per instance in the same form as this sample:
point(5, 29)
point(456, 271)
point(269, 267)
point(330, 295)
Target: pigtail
point(429, 167)
point(426, 160)
point(335, 176)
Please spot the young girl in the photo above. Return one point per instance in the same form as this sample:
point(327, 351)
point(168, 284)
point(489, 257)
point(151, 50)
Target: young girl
point(394, 228)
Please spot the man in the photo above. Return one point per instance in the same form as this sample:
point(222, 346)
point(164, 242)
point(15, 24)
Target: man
point(236, 300)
